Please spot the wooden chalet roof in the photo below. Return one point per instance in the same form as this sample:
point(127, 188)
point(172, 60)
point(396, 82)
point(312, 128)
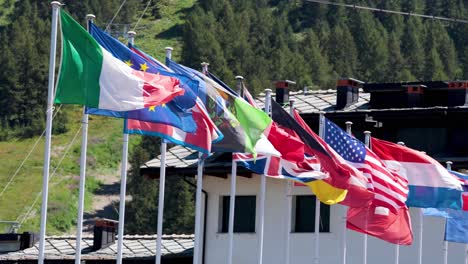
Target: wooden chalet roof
point(134, 247)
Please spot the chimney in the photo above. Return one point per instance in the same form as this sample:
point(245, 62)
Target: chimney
point(104, 233)
point(347, 92)
point(13, 242)
point(414, 95)
point(457, 93)
point(282, 91)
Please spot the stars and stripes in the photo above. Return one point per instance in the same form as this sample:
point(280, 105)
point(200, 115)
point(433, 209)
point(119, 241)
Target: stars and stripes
point(391, 191)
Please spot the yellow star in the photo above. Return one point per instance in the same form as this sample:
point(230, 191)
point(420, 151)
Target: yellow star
point(152, 108)
point(143, 67)
point(129, 63)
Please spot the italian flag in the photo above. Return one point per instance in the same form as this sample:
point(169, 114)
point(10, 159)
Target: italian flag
point(91, 76)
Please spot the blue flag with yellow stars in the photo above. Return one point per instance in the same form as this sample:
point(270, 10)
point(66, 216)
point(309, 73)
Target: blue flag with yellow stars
point(177, 113)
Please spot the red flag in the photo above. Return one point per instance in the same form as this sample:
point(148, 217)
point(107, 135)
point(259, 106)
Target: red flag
point(380, 222)
point(201, 140)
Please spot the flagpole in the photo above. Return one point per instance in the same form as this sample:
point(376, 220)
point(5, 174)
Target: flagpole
point(123, 182)
point(397, 246)
point(348, 130)
point(84, 146)
point(162, 183)
point(367, 135)
point(421, 226)
point(48, 137)
point(198, 196)
point(317, 201)
point(288, 197)
point(232, 194)
point(232, 202)
point(198, 202)
point(445, 248)
point(263, 191)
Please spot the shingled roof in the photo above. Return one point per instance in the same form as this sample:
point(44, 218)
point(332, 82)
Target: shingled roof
point(134, 247)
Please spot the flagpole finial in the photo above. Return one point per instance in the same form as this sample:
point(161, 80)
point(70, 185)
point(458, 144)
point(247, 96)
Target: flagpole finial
point(349, 123)
point(169, 52)
point(291, 106)
point(56, 4)
point(449, 165)
point(367, 132)
point(205, 67)
point(401, 143)
point(131, 34)
point(90, 17)
point(238, 77)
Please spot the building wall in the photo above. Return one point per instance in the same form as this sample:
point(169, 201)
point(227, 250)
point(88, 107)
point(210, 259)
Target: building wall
point(302, 244)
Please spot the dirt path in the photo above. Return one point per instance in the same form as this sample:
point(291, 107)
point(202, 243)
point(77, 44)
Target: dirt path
point(105, 201)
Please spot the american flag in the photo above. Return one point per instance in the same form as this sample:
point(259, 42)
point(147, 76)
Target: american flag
point(391, 191)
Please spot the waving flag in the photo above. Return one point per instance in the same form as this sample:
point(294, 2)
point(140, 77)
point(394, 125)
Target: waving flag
point(91, 76)
point(241, 124)
point(330, 162)
point(201, 140)
point(176, 113)
point(391, 191)
point(387, 217)
point(293, 163)
point(352, 190)
point(430, 184)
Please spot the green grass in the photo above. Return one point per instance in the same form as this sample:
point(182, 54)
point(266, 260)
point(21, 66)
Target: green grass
point(104, 150)
point(154, 35)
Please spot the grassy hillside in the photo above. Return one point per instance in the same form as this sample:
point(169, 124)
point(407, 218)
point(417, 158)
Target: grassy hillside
point(154, 35)
point(103, 158)
point(17, 203)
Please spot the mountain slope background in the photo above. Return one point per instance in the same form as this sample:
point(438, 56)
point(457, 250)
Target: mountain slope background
point(262, 40)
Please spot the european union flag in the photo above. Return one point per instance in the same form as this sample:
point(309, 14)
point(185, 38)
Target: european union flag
point(176, 113)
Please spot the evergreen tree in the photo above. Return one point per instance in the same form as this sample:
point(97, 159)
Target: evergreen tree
point(412, 48)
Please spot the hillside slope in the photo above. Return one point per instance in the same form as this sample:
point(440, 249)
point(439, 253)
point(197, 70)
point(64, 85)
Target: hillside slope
point(21, 200)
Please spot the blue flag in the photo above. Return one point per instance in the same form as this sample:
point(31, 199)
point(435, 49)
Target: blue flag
point(176, 113)
point(456, 227)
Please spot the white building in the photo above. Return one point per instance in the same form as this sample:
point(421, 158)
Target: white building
point(403, 123)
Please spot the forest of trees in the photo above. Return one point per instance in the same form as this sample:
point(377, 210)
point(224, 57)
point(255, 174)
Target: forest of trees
point(262, 40)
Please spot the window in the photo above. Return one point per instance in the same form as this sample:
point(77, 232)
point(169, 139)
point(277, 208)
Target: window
point(304, 215)
point(244, 214)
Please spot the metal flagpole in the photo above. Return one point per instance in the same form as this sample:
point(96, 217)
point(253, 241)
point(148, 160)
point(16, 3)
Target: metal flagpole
point(288, 197)
point(367, 135)
point(421, 228)
point(49, 112)
point(343, 261)
point(123, 182)
point(232, 193)
point(198, 196)
point(466, 254)
point(397, 247)
point(198, 205)
point(162, 183)
point(261, 226)
point(84, 146)
point(232, 202)
point(317, 201)
point(445, 248)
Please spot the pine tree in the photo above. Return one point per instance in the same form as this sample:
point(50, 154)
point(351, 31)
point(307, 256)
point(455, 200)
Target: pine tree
point(412, 48)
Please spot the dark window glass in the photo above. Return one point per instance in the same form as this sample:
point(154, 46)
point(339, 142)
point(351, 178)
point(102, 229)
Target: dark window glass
point(244, 214)
point(305, 215)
